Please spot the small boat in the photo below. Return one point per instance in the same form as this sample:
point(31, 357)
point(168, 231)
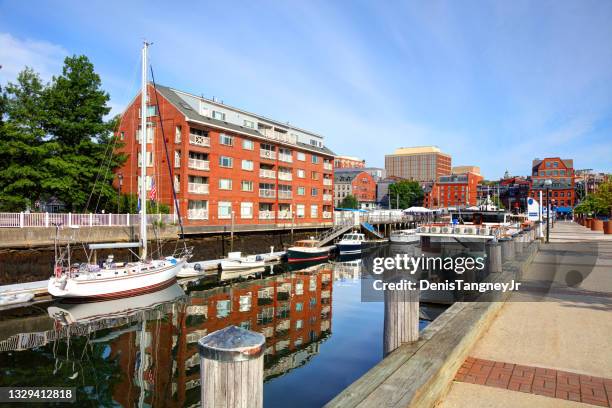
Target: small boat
point(235, 261)
point(232, 274)
point(15, 299)
point(407, 236)
point(350, 243)
point(307, 250)
point(190, 270)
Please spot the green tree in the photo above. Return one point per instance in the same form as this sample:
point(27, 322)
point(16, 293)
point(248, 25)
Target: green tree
point(80, 146)
point(349, 202)
point(22, 148)
point(409, 192)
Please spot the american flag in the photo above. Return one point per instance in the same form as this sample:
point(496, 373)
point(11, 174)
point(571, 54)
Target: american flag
point(153, 192)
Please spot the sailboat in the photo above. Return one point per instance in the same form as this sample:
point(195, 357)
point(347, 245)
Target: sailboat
point(111, 280)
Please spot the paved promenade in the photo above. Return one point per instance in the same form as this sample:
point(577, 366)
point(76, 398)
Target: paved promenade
point(550, 346)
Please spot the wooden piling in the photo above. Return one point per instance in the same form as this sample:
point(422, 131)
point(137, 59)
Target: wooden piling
point(401, 324)
point(231, 368)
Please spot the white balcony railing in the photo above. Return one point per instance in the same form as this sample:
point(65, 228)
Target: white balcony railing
point(327, 182)
point(327, 197)
point(327, 214)
point(284, 215)
point(197, 188)
point(267, 154)
point(198, 164)
point(177, 187)
point(265, 173)
point(197, 214)
point(265, 193)
point(198, 140)
point(285, 176)
point(284, 194)
point(327, 166)
point(266, 215)
point(287, 158)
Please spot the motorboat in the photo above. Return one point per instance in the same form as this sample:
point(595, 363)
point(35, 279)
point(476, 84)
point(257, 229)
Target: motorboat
point(232, 274)
point(351, 243)
point(405, 236)
point(14, 299)
point(308, 250)
point(235, 261)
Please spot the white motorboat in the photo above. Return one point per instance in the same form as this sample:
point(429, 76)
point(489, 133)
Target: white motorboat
point(118, 279)
point(235, 261)
point(350, 243)
point(15, 299)
point(406, 236)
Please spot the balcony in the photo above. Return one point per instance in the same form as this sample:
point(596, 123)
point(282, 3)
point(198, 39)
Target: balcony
point(327, 182)
point(327, 166)
point(198, 164)
point(286, 195)
point(197, 214)
point(197, 188)
point(327, 214)
point(265, 173)
point(287, 158)
point(266, 193)
point(284, 215)
point(285, 176)
point(198, 140)
point(266, 215)
point(327, 197)
point(267, 154)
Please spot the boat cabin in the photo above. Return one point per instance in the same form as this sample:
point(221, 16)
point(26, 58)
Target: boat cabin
point(307, 243)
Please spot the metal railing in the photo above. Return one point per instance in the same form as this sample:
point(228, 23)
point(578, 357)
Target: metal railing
point(265, 173)
point(327, 166)
point(199, 140)
point(284, 215)
point(197, 214)
point(327, 197)
point(284, 194)
point(285, 158)
point(265, 193)
point(197, 188)
point(42, 220)
point(285, 176)
point(327, 182)
point(198, 164)
point(267, 154)
point(266, 215)
point(327, 214)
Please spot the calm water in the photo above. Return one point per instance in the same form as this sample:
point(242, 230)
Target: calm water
point(142, 351)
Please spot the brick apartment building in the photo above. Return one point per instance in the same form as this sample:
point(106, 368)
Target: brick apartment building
point(423, 163)
point(561, 173)
point(356, 182)
point(455, 190)
point(348, 162)
point(228, 160)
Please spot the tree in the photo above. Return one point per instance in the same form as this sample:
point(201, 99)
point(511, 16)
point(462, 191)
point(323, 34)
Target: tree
point(21, 142)
point(598, 203)
point(409, 192)
point(81, 144)
point(349, 202)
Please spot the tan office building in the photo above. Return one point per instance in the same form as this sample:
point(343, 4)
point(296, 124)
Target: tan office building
point(465, 169)
point(422, 163)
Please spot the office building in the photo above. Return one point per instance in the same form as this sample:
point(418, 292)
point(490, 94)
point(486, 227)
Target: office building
point(423, 163)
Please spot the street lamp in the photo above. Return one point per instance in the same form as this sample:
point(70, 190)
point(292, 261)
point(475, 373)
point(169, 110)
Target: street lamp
point(548, 183)
point(120, 177)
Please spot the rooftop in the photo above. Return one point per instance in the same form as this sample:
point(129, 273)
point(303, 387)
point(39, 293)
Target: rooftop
point(417, 150)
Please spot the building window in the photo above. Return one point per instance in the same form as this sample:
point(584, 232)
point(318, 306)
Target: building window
point(249, 124)
point(315, 159)
point(225, 184)
point(555, 164)
point(299, 307)
point(246, 210)
point(247, 165)
point(314, 211)
point(299, 324)
point(226, 139)
point(301, 191)
point(248, 144)
point(246, 185)
point(151, 110)
point(300, 210)
point(177, 134)
point(314, 175)
point(224, 209)
point(314, 191)
point(225, 161)
point(223, 308)
point(122, 136)
point(301, 156)
point(218, 115)
point(301, 173)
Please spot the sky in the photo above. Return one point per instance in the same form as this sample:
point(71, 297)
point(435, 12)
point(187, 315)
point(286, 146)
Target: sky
point(493, 83)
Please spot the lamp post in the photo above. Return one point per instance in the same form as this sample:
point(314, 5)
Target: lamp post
point(120, 178)
point(548, 183)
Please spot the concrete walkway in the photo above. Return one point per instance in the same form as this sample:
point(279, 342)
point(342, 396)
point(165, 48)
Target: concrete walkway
point(550, 345)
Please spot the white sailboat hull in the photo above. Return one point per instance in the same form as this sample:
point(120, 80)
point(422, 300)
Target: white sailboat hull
point(125, 282)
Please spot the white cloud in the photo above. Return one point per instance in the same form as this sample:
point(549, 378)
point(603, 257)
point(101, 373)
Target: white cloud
point(42, 56)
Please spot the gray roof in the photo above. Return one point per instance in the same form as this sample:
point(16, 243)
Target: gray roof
point(191, 114)
point(347, 175)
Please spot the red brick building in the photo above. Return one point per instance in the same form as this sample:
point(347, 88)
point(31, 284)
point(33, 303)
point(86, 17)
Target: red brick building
point(347, 162)
point(456, 190)
point(561, 173)
point(355, 182)
point(227, 160)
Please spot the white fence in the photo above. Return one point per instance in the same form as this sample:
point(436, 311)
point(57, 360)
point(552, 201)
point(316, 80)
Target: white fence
point(22, 220)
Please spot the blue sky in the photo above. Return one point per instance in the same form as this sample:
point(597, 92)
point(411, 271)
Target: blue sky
point(493, 83)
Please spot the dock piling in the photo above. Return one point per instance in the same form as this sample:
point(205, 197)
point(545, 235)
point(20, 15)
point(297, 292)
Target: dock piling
point(231, 368)
point(401, 324)
point(494, 255)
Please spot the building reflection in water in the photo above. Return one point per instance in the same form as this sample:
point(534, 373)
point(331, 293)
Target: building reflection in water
point(148, 343)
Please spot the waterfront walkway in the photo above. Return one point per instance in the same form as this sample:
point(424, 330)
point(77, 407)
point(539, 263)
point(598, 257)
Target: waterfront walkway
point(550, 346)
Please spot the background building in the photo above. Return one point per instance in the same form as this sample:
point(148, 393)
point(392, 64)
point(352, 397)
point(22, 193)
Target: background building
point(455, 190)
point(382, 191)
point(561, 173)
point(465, 169)
point(226, 160)
point(348, 162)
point(356, 182)
point(424, 163)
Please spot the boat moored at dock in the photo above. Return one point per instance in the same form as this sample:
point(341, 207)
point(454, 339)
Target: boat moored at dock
point(308, 250)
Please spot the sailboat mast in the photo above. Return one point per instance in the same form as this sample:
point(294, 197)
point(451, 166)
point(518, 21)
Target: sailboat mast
point(143, 156)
